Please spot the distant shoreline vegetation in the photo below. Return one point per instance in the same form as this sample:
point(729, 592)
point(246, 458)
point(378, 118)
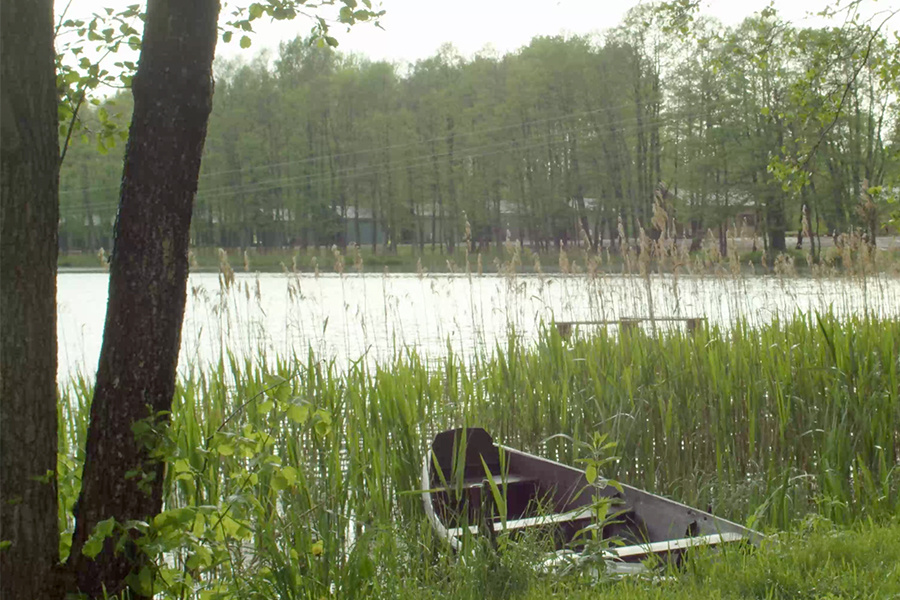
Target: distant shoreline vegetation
point(855, 258)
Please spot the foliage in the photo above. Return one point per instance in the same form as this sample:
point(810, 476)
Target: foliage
point(566, 141)
point(84, 46)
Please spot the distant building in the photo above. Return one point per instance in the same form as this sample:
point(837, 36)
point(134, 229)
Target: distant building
point(359, 227)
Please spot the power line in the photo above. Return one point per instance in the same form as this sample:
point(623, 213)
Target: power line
point(390, 147)
point(366, 170)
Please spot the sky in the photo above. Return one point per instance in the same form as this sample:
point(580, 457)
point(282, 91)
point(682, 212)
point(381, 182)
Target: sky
point(416, 29)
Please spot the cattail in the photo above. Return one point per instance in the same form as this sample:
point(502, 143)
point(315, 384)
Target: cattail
point(563, 260)
point(585, 237)
point(660, 220)
point(338, 260)
point(357, 259)
point(226, 273)
point(644, 257)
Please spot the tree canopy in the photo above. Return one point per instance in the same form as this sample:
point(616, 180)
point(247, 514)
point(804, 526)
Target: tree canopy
point(554, 143)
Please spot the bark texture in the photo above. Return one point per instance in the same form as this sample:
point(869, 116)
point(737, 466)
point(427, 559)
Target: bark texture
point(148, 277)
point(29, 184)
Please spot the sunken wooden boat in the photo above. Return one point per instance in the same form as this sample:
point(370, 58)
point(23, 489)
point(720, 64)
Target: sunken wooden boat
point(466, 473)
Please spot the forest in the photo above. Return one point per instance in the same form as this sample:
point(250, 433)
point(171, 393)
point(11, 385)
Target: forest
point(763, 130)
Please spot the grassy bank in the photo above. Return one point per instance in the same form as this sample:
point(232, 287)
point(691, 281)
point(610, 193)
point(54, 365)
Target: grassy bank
point(290, 479)
point(823, 562)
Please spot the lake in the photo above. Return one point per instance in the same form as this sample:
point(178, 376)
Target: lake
point(375, 317)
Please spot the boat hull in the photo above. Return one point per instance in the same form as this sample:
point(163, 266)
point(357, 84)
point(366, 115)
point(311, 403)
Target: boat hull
point(470, 485)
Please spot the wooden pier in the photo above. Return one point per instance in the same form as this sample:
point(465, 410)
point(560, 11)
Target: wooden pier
point(629, 323)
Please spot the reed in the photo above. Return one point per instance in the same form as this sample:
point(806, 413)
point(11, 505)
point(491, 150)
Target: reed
point(304, 470)
point(292, 475)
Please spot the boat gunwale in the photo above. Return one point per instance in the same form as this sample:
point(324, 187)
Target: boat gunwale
point(452, 536)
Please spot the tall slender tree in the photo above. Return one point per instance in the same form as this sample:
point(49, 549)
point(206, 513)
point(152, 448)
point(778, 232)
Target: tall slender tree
point(147, 284)
point(29, 168)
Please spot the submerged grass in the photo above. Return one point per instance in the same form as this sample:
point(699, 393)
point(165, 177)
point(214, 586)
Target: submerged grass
point(294, 479)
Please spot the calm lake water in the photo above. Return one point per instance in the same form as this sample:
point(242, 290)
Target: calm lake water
point(375, 317)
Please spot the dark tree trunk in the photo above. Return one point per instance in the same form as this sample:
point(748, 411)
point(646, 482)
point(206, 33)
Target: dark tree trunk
point(450, 233)
point(29, 189)
point(775, 222)
point(88, 211)
point(148, 279)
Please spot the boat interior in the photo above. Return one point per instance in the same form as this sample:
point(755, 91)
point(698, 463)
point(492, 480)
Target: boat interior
point(466, 474)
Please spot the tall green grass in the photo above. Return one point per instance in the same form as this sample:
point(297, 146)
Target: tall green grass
point(294, 479)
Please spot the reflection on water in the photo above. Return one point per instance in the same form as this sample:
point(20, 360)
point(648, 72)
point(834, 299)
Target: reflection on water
point(374, 317)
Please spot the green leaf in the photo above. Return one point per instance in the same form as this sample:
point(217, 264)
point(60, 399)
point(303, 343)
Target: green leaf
point(226, 37)
point(201, 557)
point(235, 528)
point(290, 475)
point(245, 41)
point(181, 466)
point(256, 10)
point(94, 544)
point(225, 449)
point(92, 547)
point(298, 413)
point(142, 582)
point(590, 473)
point(322, 428)
point(495, 492)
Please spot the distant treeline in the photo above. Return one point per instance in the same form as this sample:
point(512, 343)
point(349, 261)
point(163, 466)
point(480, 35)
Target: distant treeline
point(578, 139)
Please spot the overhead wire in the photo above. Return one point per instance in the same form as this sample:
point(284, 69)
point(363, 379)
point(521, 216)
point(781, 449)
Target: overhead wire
point(367, 170)
point(459, 134)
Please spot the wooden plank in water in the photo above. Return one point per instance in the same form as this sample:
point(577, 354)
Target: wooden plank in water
point(565, 327)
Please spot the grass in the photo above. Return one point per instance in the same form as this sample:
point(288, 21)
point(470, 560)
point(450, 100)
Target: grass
point(827, 562)
point(295, 479)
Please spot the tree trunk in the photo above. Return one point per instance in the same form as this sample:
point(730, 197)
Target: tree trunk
point(148, 279)
point(29, 189)
point(775, 222)
point(88, 211)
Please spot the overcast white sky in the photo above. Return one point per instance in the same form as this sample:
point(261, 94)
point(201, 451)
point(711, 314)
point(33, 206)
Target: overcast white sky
point(415, 29)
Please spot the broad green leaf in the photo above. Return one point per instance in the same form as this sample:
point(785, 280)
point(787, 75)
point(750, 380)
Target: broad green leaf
point(298, 413)
point(590, 473)
point(225, 449)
